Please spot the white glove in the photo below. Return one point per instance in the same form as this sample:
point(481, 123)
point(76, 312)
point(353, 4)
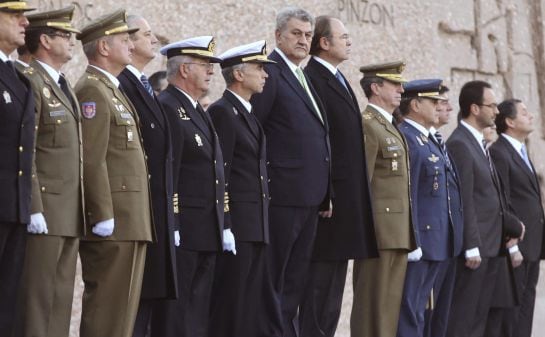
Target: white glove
point(37, 224)
point(177, 238)
point(104, 228)
point(229, 241)
point(415, 255)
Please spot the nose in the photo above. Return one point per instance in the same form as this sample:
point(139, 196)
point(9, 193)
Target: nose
point(24, 21)
point(154, 39)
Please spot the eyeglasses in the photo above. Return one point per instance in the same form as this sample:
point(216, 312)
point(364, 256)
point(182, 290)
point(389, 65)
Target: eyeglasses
point(492, 106)
point(63, 35)
point(208, 66)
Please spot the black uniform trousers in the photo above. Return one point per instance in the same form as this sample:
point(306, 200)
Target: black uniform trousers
point(319, 313)
point(188, 316)
point(472, 297)
point(236, 295)
point(292, 232)
point(12, 255)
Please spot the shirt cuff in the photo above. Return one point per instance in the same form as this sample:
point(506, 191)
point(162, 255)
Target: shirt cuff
point(514, 249)
point(473, 252)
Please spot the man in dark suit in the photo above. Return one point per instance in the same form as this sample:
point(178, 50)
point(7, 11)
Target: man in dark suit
point(514, 124)
point(350, 232)
point(199, 200)
point(57, 189)
point(430, 204)
point(298, 152)
point(160, 281)
point(16, 151)
point(486, 219)
point(438, 312)
point(239, 278)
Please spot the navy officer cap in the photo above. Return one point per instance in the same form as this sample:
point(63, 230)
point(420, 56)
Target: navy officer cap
point(255, 52)
point(200, 46)
point(425, 88)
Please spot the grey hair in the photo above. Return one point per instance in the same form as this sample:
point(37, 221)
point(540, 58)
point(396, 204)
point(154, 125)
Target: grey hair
point(228, 73)
point(90, 49)
point(131, 22)
point(291, 12)
point(174, 63)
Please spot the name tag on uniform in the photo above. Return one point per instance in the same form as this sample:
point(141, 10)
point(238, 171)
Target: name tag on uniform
point(125, 115)
point(57, 113)
point(393, 148)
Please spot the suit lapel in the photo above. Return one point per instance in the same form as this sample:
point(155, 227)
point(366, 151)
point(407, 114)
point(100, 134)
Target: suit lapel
point(54, 88)
point(194, 115)
point(12, 81)
point(387, 125)
point(520, 162)
point(151, 102)
point(292, 80)
point(252, 126)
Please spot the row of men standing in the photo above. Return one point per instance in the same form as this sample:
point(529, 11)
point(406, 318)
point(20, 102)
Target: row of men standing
point(209, 188)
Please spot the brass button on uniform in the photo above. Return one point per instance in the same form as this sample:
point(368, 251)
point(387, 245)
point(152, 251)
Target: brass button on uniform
point(59, 121)
point(128, 122)
point(428, 227)
point(43, 188)
point(20, 173)
point(20, 149)
point(387, 209)
point(217, 181)
point(123, 187)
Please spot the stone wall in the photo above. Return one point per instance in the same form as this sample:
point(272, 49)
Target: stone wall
point(501, 41)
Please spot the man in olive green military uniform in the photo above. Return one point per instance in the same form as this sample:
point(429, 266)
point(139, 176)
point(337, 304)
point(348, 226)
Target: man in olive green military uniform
point(56, 220)
point(117, 202)
point(378, 282)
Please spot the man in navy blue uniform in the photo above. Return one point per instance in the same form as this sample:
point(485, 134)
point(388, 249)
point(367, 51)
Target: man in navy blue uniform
point(441, 296)
point(199, 187)
point(16, 151)
point(160, 280)
point(298, 152)
point(429, 194)
point(238, 279)
point(350, 232)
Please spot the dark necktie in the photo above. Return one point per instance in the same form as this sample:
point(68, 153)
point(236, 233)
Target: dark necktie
point(146, 84)
point(11, 66)
point(64, 87)
point(442, 145)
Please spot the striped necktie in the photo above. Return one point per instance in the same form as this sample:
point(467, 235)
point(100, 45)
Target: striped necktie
point(146, 84)
point(304, 84)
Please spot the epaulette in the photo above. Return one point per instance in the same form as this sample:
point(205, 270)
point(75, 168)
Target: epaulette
point(367, 115)
point(28, 71)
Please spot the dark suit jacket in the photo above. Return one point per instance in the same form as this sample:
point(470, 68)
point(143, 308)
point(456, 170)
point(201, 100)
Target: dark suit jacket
point(17, 146)
point(429, 194)
point(297, 141)
point(160, 271)
point(243, 147)
point(198, 173)
point(486, 221)
point(350, 232)
point(523, 196)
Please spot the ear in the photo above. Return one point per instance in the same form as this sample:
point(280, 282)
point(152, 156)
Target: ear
point(44, 41)
point(103, 47)
point(510, 123)
point(374, 88)
point(474, 109)
point(183, 69)
point(415, 105)
point(324, 43)
point(239, 75)
point(277, 34)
